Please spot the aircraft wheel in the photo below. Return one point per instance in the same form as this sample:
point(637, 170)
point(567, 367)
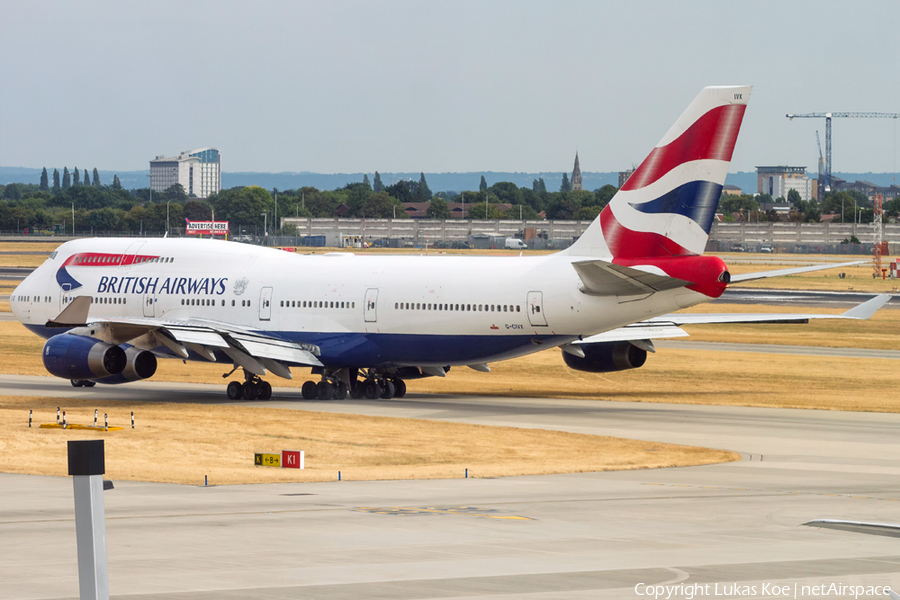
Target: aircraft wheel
point(265, 390)
point(389, 390)
point(324, 390)
point(234, 390)
point(340, 390)
point(308, 391)
point(371, 389)
point(250, 391)
point(76, 382)
point(357, 389)
point(401, 388)
point(88, 383)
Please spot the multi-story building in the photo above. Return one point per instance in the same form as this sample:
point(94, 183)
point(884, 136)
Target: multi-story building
point(198, 171)
point(624, 175)
point(866, 187)
point(778, 181)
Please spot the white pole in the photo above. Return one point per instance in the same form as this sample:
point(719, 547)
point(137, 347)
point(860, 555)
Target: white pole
point(86, 466)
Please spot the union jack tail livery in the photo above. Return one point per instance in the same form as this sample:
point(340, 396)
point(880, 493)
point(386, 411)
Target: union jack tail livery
point(667, 206)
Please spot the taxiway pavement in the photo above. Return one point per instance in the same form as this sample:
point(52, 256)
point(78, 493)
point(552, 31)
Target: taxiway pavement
point(589, 535)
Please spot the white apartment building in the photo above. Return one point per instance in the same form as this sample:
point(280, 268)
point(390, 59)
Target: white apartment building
point(778, 181)
point(198, 171)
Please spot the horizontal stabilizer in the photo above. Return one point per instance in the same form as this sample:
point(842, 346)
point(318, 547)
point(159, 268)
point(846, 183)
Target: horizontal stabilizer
point(602, 278)
point(862, 311)
point(76, 313)
point(792, 271)
point(668, 326)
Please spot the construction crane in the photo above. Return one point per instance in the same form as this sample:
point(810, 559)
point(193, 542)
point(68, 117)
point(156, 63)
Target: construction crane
point(828, 116)
point(820, 189)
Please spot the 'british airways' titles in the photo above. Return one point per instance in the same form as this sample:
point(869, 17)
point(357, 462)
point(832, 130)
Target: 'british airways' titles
point(156, 285)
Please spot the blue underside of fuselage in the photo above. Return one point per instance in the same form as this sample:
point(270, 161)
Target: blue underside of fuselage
point(397, 349)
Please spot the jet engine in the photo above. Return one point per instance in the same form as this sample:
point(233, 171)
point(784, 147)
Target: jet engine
point(78, 357)
point(606, 357)
point(140, 364)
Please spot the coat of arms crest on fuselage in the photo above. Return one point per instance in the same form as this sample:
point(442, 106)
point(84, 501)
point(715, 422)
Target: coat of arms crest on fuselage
point(240, 286)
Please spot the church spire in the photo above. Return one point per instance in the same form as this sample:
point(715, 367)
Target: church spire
point(576, 175)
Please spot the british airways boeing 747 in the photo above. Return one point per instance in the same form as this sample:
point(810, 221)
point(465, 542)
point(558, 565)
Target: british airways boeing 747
point(110, 308)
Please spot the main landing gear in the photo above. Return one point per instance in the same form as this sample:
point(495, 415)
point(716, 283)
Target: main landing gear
point(339, 384)
point(253, 388)
point(82, 383)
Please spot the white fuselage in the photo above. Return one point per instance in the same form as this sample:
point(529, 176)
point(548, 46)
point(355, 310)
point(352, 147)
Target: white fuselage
point(361, 310)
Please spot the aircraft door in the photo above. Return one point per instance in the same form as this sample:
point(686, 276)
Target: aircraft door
point(371, 305)
point(149, 305)
point(535, 308)
point(265, 304)
point(128, 257)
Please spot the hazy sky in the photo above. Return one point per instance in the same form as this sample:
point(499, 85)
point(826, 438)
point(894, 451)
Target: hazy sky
point(436, 86)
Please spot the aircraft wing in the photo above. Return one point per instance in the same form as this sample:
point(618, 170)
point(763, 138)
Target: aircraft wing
point(249, 349)
point(668, 326)
point(792, 271)
point(602, 278)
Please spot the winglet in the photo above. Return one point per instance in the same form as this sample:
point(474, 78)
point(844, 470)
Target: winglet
point(76, 313)
point(867, 308)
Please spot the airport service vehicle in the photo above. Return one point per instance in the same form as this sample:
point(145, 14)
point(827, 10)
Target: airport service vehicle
point(515, 244)
point(365, 324)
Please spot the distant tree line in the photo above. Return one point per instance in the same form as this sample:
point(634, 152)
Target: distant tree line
point(845, 206)
point(109, 208)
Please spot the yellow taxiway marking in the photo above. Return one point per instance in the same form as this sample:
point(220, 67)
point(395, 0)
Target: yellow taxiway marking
point(76, 426)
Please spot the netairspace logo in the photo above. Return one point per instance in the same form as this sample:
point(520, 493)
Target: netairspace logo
point(690, 591)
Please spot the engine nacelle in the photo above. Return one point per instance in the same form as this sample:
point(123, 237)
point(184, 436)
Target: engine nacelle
point(140, 364)
point(607, 357)
point(78, 357)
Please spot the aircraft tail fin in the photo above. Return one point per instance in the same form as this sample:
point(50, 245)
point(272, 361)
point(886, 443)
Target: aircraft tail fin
point(667, 206)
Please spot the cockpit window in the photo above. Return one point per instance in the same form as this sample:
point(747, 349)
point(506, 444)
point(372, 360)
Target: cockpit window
point(53, 255)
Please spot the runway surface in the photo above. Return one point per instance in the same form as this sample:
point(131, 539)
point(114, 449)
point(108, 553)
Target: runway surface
point(15, 273)
point(591, 535)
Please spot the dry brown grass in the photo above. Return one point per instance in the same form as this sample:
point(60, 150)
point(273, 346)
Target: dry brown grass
point(22, 260)
point(181, 443)
point(694, 377)
point(678, 376)
point(47, 247)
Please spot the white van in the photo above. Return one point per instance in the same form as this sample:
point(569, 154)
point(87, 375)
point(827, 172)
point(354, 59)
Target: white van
point(515, 244)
